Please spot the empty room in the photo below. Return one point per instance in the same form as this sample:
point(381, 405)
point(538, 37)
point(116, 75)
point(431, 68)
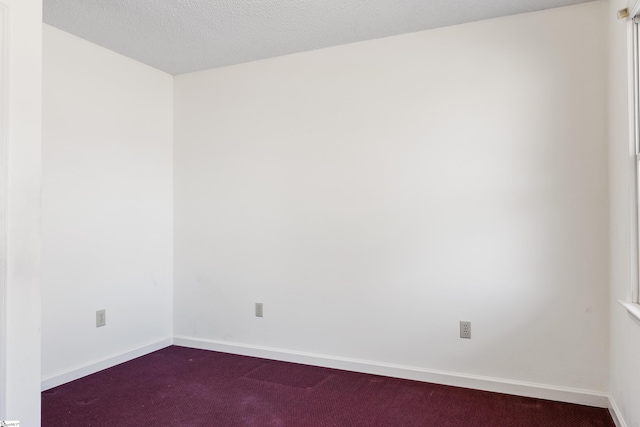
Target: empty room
point(319, 213)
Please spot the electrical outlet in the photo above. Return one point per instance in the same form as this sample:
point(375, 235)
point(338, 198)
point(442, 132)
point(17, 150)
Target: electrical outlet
point(101, 318)
point(465, 330)
point(258, 309)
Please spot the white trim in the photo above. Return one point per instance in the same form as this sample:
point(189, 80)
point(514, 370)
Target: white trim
point(499, 385)
point(633, 309)
point(634, 145)
point(634, 8)
point(4, 105)
point(615, 414)
point(97, 365)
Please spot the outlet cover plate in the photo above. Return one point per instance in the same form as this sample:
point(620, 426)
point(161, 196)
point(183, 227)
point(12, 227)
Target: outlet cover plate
point(465, 330)
point(101, 318)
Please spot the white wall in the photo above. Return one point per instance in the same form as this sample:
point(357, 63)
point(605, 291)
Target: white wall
point(107, 204)
point(625, 332)
point(22, 396)
point(372, 195)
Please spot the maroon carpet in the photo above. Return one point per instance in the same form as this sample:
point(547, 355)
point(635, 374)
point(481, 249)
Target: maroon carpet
point(184, 387)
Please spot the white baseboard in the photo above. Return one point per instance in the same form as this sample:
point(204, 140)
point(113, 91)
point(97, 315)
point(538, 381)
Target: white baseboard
point(498, 385)
point(615, 413)
point(68, 375)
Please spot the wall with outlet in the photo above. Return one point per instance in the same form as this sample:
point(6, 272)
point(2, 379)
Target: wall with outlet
point(374, 195)
point(107, 203)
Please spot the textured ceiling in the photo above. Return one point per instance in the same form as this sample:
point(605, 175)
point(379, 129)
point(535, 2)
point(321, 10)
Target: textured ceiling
point(180, 36)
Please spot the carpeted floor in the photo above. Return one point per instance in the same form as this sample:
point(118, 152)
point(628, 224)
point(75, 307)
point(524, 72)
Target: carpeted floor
point(184, 387)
